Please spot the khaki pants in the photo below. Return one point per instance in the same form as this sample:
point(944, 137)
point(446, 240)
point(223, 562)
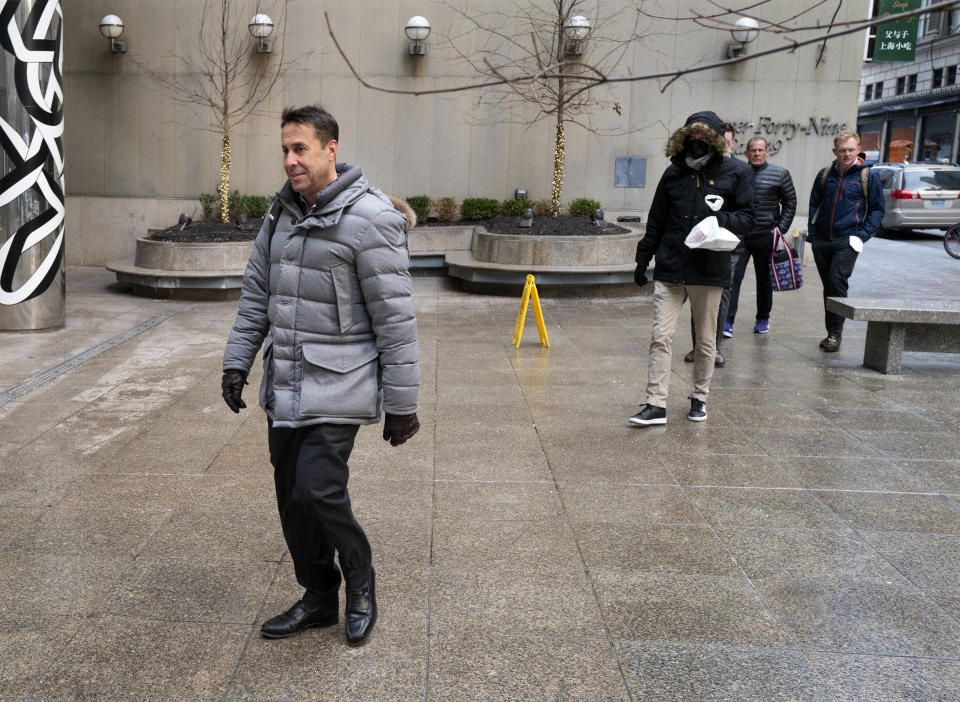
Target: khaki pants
point(667, 302)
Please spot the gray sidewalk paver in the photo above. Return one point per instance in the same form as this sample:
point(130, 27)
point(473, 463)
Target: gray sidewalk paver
point(530, 544)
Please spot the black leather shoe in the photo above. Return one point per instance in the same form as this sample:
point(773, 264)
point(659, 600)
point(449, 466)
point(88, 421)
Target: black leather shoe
point(361, 612)
point(302, 615)
point(719, 361)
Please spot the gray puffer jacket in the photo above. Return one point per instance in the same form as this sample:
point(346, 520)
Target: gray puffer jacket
point(330, 299)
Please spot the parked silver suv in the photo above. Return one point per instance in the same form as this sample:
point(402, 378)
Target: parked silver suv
point(919, 195)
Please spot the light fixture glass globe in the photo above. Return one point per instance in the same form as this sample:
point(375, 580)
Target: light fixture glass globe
point(747, 30)
point(417, 29)
point(261, 26)
point(111, 26)
point(576, 28)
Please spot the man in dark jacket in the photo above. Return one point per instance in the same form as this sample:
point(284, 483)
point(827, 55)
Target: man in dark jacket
point(327, 293)
point(774, 205)
point(843, 215)
point(729, 135)
point(699, 183)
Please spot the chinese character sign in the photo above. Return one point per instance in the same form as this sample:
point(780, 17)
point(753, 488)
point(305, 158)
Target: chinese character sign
point(896, 41)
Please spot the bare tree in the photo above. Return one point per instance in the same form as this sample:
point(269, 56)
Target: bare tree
point(530, 39)
point(226, 75)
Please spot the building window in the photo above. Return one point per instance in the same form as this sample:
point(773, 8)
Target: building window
point(937, 77)
point(923, 23)
point(912, 83)
point(878, 90)
point(901, 84)
point(868, 92)
point(951, 75)
point(955, 21)
point(900, 148)
point(936, 138)
point(870, 139)
point(871, 33)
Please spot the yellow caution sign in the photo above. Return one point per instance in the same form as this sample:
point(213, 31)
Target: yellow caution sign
point(530, 291)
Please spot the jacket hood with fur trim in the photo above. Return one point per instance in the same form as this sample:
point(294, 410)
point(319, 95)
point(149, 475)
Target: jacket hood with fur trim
point(675, 144)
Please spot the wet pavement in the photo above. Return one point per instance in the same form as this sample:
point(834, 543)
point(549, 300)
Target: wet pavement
point(801, 544)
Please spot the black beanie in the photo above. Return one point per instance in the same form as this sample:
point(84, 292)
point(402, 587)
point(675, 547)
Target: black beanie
point(708, 118)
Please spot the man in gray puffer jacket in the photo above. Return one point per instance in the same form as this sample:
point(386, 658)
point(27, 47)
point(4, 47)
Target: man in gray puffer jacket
point(327, 293)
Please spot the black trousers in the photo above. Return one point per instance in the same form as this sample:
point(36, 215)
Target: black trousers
point(759, 250)
point(310, 471)
point(835, 261)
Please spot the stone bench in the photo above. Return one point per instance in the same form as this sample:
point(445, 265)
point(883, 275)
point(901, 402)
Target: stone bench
point(895, 326)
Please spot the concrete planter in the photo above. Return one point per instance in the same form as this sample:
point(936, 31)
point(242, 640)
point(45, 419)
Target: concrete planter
point(512, 249)
point(579, 266)
point(186, 270)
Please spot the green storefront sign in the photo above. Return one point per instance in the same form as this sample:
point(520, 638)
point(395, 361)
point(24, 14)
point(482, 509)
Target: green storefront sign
point(896, 41)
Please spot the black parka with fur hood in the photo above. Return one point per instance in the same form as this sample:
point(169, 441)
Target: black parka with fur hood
point(680, 203)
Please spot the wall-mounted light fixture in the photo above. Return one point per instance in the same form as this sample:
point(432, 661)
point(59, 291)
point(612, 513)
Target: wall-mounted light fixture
point(261, 27)
point(576, 29)
point(417, 30)
point(111, 27)
point(746, 31)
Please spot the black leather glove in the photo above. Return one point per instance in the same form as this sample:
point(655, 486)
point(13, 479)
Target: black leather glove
point(397, 428)
point(640, 275)
point(232, 387)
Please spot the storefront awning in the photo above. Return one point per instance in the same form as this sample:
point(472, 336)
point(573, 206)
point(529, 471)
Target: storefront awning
point(907, 105)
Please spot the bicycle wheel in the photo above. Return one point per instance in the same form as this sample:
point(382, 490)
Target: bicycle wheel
point(951, 241)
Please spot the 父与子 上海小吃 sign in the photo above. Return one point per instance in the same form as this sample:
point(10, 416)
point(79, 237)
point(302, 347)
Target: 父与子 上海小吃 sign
point(896, 41)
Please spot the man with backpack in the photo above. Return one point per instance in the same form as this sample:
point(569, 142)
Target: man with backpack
point(846, 207)
point(327, 293)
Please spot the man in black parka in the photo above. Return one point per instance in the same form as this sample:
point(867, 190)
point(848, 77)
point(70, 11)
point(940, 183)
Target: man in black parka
point(699, 182)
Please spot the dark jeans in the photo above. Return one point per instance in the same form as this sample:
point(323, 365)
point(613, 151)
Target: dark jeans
point(310, 472)
point(759, 250)
point(735, 256)
point(835, 261)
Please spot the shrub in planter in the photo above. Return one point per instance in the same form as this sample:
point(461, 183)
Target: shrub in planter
point(257, 205)
point(582, 207)
point(420, 205)
point(446, 209)
point(543, 208)
point(514, 208)
point(207, 203)
point(254, 206)
point(474, 208)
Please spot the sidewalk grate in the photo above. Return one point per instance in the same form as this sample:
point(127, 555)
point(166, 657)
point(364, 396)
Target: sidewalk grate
point(51, 374)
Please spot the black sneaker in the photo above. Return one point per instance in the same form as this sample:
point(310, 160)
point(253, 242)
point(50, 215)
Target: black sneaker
point(698, 410)
point(649, 415)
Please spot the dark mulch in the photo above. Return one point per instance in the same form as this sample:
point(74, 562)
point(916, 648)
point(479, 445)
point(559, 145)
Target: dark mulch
point(544, 225)
point(209, 232)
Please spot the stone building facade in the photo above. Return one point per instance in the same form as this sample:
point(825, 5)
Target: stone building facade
point(136, 157)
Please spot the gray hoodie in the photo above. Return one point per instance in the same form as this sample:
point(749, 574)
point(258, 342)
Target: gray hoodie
point(330, 300)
